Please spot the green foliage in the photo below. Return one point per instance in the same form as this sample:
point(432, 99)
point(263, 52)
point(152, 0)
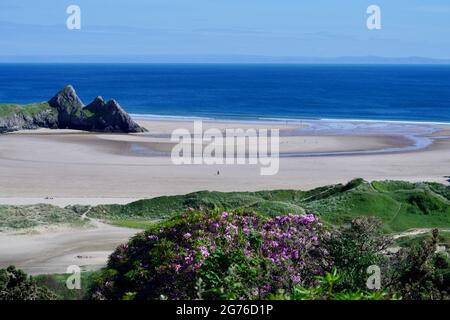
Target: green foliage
point(326, 290)
point(356, 248)
point(214, 255)
point(229, 276)
point(16, 285)
point(440, 189)
point(210, 254)
point(156, 208)
point(420, 273)
point(392, 186)
point(400, 205)
point(9, 110)
point(56, 283)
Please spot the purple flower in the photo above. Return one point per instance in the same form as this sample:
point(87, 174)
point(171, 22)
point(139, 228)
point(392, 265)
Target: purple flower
point(204, 251)
point(288, 248)
point(295, 278)
point(188, 260)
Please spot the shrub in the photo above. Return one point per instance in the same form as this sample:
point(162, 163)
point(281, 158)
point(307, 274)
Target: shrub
point(217, 255)
point(419, 273)
point(326, 290)
point(16, 285)
point(356, 248)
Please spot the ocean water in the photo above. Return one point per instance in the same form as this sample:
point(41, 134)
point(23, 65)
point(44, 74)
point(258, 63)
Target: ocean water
point(247, 92)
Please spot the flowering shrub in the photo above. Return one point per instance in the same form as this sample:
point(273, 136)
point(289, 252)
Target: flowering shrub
point(217, 255)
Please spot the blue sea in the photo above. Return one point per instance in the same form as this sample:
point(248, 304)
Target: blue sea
point(246, 92)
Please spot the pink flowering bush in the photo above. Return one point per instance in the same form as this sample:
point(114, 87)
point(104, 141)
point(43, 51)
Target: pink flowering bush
point(217, 255)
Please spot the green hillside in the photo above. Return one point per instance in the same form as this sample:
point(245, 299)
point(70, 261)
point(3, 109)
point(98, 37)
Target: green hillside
point(401, 205)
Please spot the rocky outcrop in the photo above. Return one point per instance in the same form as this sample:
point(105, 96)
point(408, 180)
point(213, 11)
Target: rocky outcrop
point(22, 121)
point(97, 116)
point(110, 117)
point(66, 111)
point(69, 108)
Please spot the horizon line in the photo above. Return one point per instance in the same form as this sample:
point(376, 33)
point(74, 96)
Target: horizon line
point(217, 59)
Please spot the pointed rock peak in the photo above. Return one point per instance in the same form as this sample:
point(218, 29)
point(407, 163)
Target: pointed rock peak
point(66, 98)
point(99, 99)
point(69, 90)
point(97, 103)
point(113, 104)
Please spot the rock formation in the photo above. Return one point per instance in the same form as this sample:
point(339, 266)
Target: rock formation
point(66, 111)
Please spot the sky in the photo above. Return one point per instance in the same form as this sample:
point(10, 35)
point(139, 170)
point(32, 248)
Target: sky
point(272, 28)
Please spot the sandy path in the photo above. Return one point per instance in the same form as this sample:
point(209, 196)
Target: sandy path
point(417, 232)
point(54, 251)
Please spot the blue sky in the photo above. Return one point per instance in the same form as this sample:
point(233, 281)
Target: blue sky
point(320, 28)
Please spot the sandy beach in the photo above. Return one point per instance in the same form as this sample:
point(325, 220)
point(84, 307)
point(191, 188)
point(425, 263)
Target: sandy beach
point(70, 167)
point(64, 167)
point(53, 250)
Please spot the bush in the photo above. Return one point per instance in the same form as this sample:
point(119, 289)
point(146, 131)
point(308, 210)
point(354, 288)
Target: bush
point(217, 255)
point(326, 290)
point(419, 273)
point(16, 285)
point(356, 248)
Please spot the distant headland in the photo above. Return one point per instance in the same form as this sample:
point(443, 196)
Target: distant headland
point(66, 111)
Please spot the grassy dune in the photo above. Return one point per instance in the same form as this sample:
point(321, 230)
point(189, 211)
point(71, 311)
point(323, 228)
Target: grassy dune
point(14, 218)
point(401, 205)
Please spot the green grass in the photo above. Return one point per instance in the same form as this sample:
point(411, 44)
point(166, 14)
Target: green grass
point(8, 110)
point(401, 205)
point(57, 284)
